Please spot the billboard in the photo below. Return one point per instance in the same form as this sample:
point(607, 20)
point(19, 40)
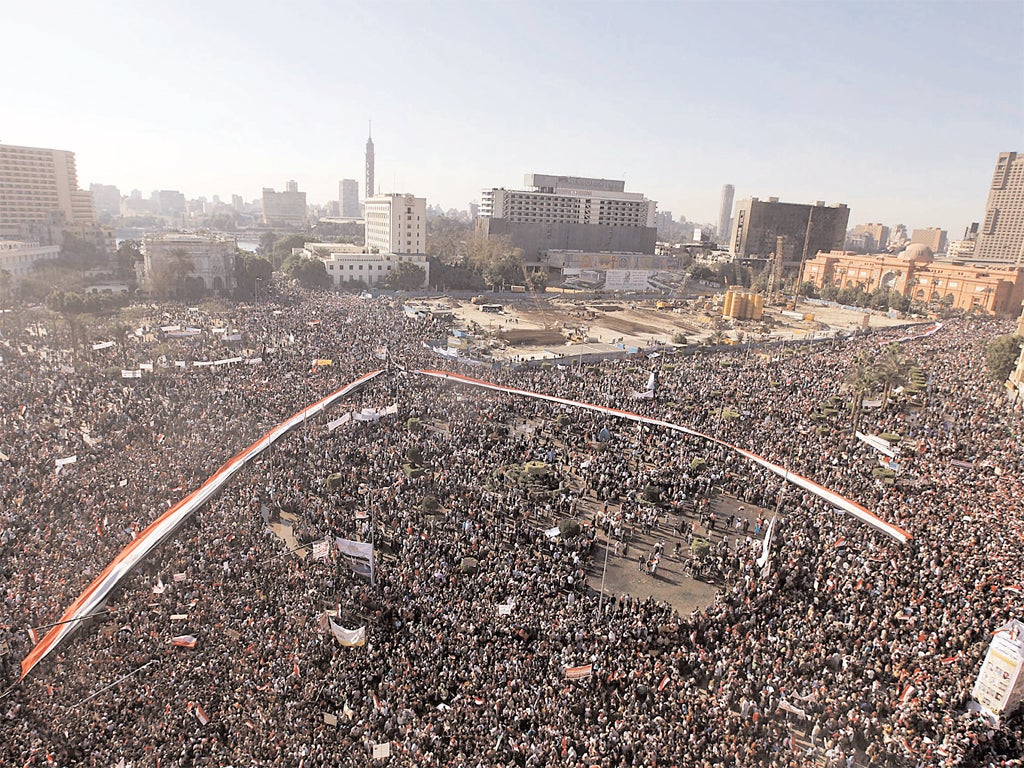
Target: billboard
point(627, 279)
point(1000, 684)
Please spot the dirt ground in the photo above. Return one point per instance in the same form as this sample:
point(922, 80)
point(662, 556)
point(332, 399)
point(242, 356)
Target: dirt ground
point(537, 326)
point(672, 582)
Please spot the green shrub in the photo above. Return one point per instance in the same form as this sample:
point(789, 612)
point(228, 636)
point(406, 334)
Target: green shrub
point(699, 549)
point(652, 493)
point(568, 527)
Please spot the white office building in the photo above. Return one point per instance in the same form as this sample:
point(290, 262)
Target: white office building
point(351, 264)
point(569, 213)
point(396, 223)
point(17, 258)
point(569, 200)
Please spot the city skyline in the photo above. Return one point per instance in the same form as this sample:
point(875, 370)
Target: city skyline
point(886, 119)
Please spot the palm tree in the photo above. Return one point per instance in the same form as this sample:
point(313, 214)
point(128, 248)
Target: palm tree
point(860, 378)
point(121, 335)
point(891, 371)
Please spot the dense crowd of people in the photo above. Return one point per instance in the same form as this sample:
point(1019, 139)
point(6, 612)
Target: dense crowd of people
point(849, 649)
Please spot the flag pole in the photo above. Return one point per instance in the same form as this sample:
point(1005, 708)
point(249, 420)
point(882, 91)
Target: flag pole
point(604, 570)
point(116, 682)
point(68, 621)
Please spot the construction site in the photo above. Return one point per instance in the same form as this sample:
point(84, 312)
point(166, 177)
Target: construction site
point(566, 327)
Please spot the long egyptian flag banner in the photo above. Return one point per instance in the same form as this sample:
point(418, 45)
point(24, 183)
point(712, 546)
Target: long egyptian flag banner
point(164, 526)
point(833, 498)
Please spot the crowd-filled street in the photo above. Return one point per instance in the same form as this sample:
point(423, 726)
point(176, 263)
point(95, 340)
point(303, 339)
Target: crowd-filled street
point(487, 639)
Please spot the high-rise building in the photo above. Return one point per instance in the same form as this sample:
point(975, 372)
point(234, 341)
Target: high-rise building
point(106, 198)
point(933, 237)
point(396, 223)
point(570, 213)
point(38, 189)
point(169, 202)
point(284, 209)
point(725, 213)
point(759, 224)
point(348, 197)
point(369, 165)
point(877, 236)
point(1001, 237)
point(898, 237)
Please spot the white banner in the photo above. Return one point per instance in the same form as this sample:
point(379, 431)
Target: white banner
point(348, 637)
point(766, 546)
point(880, 445)
point(131, 374)
point(359, 555)
point(321, 549)
point(103, 345)
point(343, 419)
point(61, 463)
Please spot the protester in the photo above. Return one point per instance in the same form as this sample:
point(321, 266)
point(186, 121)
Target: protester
point(853, 647)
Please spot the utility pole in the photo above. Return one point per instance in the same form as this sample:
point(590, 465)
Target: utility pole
point(803, 256)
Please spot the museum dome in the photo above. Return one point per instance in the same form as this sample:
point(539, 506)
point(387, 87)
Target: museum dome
point(917, 252)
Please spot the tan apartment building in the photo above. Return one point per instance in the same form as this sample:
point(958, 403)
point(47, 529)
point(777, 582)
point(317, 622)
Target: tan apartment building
point(933, 237)
point(39, 189)
point(878, 234)
point(1001, 237)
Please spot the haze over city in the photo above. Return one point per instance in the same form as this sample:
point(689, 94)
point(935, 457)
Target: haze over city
point(897, 110)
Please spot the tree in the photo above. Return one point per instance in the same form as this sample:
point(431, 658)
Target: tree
point(310, 273)
point(446, 240)
point(860, 378)
point(248, 269)
point(266, 246)
point(1001, 356)
point(5, 287)
point(129, 253)
point(405, 276)
point(69, 306)
point(808, 289)
point(283, 247)
point(170, 278)
point(122, 333)
point(457, 277)
point(891, 371)
point(77, 251)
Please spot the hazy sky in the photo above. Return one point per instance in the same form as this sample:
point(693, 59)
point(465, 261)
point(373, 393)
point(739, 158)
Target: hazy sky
point(898, 109)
